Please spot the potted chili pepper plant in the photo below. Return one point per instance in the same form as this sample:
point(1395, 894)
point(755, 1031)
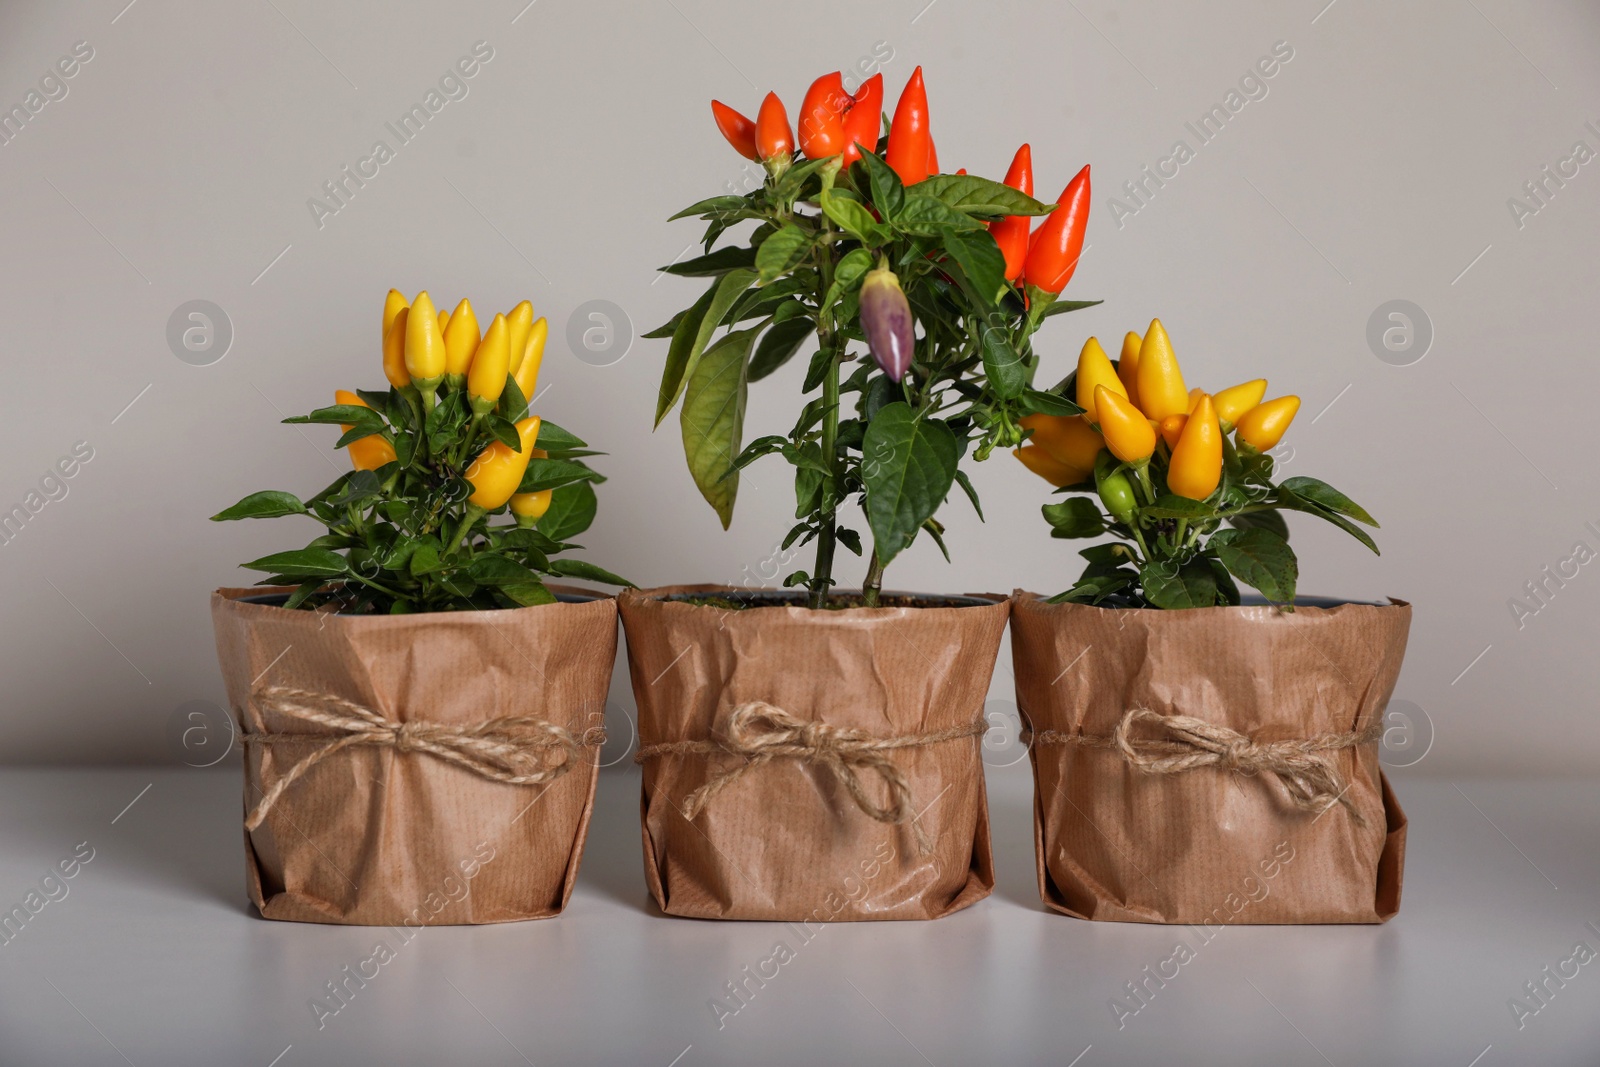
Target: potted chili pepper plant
point(814, 754)
point(420, 710)
point(1152, 687)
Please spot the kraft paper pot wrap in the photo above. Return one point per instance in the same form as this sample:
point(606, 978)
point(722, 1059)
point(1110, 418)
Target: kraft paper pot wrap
point(409, 825)
point(1240, 829)
point(891, 693)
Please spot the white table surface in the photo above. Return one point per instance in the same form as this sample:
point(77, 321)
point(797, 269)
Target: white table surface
point(154, 956)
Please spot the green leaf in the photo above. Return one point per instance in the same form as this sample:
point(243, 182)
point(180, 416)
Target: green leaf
point(716, 206)
point(853, 218)
point(1112, 555)
point(821, 360)
point(1036, 402)
point(1344, 524)
point(577, 568)
point(694, 333)
point(1327, 497)
point(358, 487)
point(972, 494)
point(982, 261)
point(778, 345)
point(888, 191)
point(354, 414)
point(848, 538)
point(781, 251)
point(553, 438)
point(510, 577)
point(572, 510)
point(554, 473)
point(1004, 369)
point(268, 504)
point(719, 262)
point(1258, 558)
point(1266, 520)
point(1173, 506)
point(1074, 517)
point(506, 432)
point(426, 557)
point(1192, 586)
point(1061, 307)
point(303, 563)
point(907, 466)
point(980, 196)
point(712, 419)
point(927, 217)
point(848, 274)
point(1093, 588)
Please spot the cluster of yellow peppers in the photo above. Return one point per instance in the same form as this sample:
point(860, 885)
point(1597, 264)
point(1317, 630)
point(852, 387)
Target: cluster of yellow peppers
point(1139, 403)
point(424, 349)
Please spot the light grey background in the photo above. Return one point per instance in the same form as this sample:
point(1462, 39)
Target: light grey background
point(1377, 167)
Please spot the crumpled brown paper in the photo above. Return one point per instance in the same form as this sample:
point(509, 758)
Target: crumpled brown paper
point(374, 836)
point(786, 842)
point(1207, 845)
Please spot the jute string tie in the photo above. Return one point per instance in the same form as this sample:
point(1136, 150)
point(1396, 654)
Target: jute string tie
point(514, 750)
point(1308, 775)
point(759, 733)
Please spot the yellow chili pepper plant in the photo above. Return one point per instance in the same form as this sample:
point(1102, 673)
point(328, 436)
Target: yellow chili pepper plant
point(1194, 511)
point(442, 453)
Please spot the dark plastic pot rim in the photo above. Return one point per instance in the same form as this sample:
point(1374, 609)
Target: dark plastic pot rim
point(277, 600)
point(797, 598)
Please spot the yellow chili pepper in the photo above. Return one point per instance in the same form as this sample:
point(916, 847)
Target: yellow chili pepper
point(1070, 439)
point(529, 508)
point(520, 321)
point(1095, 370)
point(1172, 428)
point(392, 306)
point(460, 342)
point(1238, 399)
point(1128, 433)
point(1160, 381)
point(369, 453)
point(1194, 399)
point(1195, 469)
point(444, 325)
point(1046, 466)
point(1128, 365)
point(1263, 426)
point(394, 351)
point(487, 378)
point(497, 471)
point(527, 372)
point(424, 347)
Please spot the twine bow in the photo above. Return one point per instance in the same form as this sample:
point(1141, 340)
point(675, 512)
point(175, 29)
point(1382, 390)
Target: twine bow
point(760, 733)
point(1310, 778)
point(513, 750)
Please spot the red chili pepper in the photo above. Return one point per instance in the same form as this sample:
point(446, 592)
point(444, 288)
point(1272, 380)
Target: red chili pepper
point(773, 137)
point(1011, 232)
point(933, 158)
point(822, 117)
point(864, 120)
point(1058, 242)
point(910, 143)
point(740, 131)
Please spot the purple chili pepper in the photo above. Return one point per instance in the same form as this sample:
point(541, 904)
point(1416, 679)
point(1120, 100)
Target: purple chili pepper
point(886, 318)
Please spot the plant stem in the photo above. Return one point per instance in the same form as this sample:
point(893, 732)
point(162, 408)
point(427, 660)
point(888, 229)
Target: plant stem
point(874, 580)
point(1146, 483)
point(822, 573)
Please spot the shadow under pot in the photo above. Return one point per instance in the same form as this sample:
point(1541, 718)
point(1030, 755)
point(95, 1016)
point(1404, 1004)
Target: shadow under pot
point(1212, 765)
point(812, 765)
point(416, 770)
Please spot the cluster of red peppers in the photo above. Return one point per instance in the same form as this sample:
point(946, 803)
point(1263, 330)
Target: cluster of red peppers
point(836, 123)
